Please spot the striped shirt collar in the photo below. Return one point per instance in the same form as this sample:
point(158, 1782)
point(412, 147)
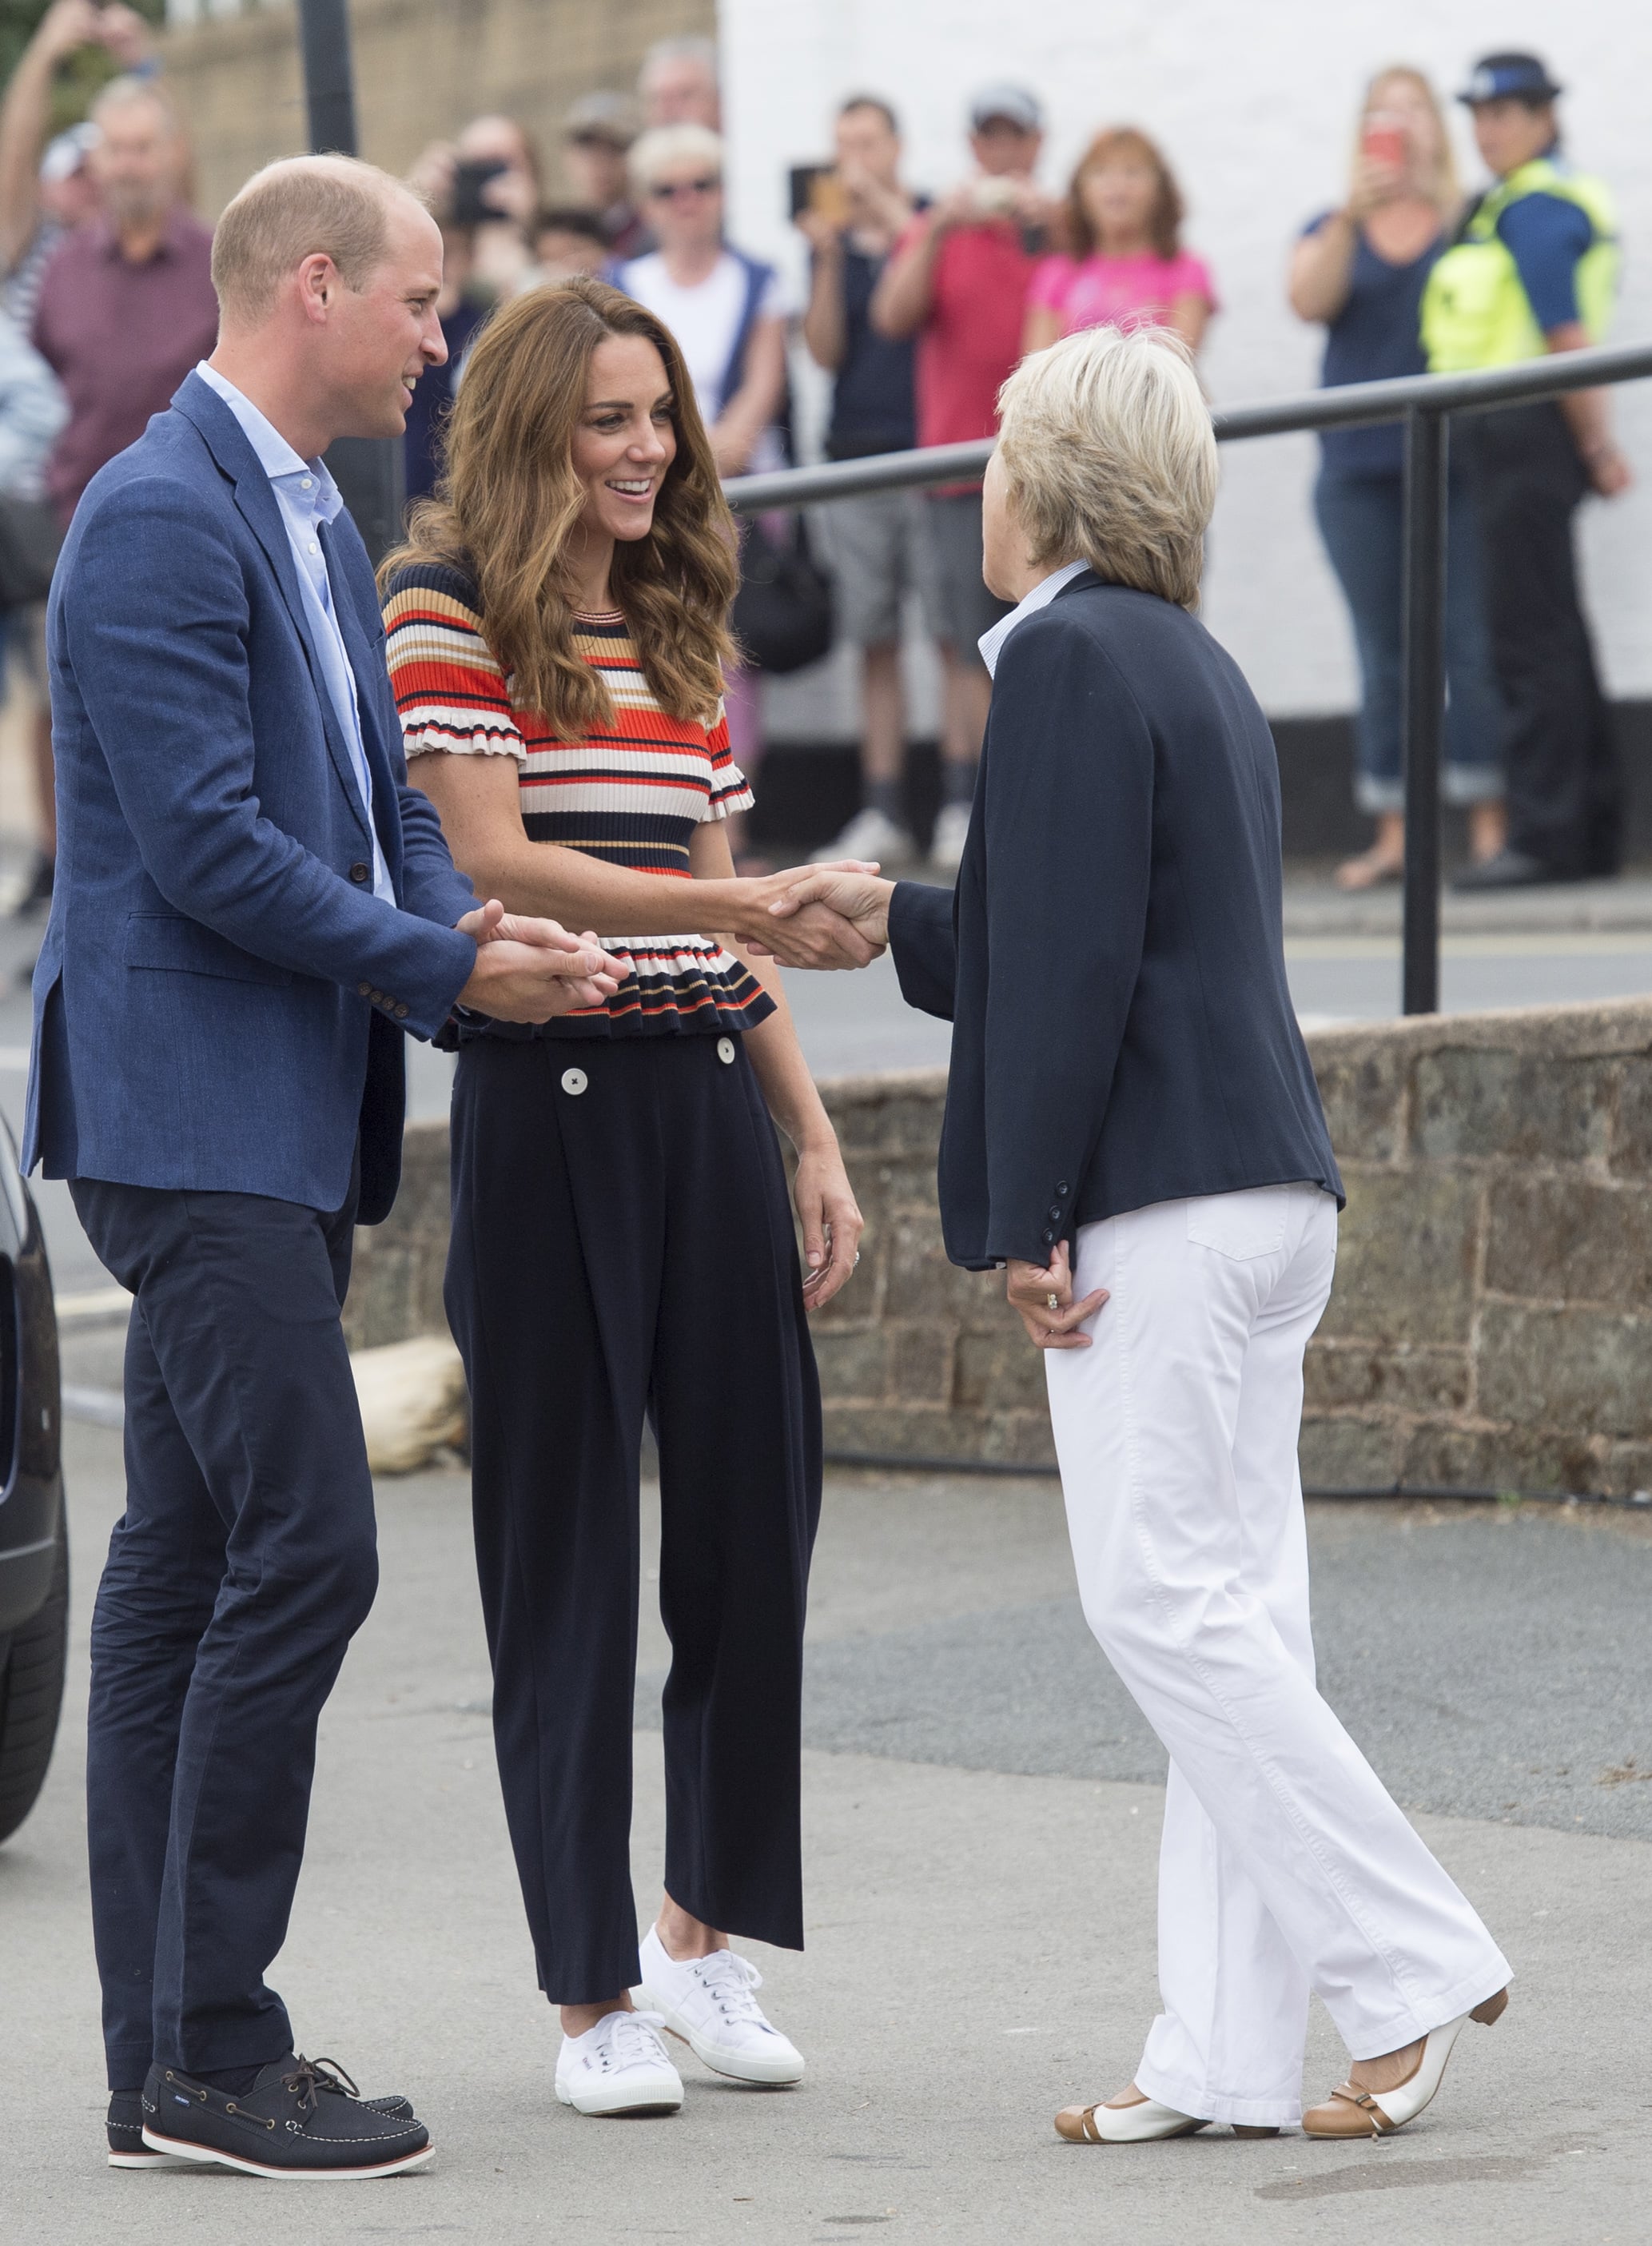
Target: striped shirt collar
point(1043, 592)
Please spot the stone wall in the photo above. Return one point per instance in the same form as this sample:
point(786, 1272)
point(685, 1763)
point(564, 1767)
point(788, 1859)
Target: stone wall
point(1491, 1322)
point(422, 67)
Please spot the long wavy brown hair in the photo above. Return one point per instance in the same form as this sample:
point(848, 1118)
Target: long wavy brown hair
point(508, 499)
point(1164, 225)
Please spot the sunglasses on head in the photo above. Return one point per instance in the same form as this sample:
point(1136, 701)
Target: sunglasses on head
point(667, 191)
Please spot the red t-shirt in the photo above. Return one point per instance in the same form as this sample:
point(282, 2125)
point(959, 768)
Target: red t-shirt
point(971, 340)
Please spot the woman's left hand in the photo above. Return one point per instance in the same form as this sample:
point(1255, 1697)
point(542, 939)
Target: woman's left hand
point(1041, 1293)
point(832, 1223)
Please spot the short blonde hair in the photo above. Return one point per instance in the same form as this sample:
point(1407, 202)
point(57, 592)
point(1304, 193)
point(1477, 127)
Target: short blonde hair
point(129, 92)
point(1110, 458)
point(673, 144)
point(301, 206)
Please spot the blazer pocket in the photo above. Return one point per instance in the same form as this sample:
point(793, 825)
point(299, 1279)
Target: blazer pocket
point(1240, 1225)
point(179, 946)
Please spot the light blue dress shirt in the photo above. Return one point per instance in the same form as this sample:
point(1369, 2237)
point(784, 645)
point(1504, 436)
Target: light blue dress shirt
point(308, 497)
point(991, 642)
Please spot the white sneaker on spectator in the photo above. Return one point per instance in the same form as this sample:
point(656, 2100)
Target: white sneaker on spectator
point(709, 2002)
point(619, 2067)
point(946, 846)
point(870, 833)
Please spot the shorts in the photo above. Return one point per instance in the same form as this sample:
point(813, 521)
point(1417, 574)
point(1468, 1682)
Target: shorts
point(957, 606)
point(878, 550)
point(24, 643)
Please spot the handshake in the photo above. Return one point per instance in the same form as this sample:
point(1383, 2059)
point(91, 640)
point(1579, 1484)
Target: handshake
point(821, 916)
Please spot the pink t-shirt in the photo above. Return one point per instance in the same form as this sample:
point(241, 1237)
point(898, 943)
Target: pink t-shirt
point(1097, 291)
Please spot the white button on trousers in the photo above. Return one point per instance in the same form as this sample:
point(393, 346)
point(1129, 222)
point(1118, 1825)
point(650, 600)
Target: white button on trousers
point(1285, 1867)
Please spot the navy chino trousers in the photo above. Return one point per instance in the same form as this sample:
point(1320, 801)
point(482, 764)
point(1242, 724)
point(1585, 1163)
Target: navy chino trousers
point(622, 1247)
point(1565, 782)
point(244, 1561)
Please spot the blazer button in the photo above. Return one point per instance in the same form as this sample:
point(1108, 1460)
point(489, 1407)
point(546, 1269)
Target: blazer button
point(574, 1081)
point(1048, 1238)
point(363, 990)
point(401, 1013)
point(359, 872)
point(1063, 1190)
point(725, 1050)
point(1055, 1212)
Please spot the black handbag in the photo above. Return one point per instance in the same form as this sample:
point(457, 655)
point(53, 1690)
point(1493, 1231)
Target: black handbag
point(29, 542)
point(783, 613)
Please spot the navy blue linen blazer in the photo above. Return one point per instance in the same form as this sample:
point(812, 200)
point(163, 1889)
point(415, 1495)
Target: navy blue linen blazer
point(220, 999)
point(1112, 959)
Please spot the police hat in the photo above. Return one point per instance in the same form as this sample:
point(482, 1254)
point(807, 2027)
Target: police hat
point(1509, 77)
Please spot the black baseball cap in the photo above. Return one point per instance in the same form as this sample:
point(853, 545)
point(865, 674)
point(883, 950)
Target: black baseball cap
point(1509, 77)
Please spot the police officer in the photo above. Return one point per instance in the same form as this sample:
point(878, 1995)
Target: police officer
point(1534, 268)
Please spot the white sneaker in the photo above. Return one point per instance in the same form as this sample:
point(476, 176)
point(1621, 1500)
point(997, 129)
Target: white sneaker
point(870, 833)
point(619, 2067)
point(946, 848)
point(709, 2002)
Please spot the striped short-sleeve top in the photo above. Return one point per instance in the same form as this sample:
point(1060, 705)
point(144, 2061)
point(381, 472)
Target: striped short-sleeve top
point(631, 793)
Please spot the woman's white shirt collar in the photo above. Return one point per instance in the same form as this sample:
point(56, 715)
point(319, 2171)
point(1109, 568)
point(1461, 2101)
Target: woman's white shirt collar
point(991, 642)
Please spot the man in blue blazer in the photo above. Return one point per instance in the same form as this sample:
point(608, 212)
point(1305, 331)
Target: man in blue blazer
point(252, 907)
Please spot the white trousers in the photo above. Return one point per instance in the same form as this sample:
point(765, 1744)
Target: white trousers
point(1285, 1867)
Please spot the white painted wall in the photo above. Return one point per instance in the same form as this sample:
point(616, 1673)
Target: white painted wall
point(1255, 106)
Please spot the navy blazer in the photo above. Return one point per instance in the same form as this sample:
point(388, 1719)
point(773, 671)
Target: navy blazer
point(1112, 959)
point(219, 999)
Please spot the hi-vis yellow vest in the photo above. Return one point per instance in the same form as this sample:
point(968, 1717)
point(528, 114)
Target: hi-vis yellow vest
point(1475, 311)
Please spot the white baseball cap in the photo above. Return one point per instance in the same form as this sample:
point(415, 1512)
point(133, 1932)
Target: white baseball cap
point(67, 152)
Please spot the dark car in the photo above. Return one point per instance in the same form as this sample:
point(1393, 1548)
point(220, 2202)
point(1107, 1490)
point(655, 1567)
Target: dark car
point(34, 1541)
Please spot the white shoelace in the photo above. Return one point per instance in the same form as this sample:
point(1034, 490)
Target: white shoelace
point(731, 1981)
point(634, 2041)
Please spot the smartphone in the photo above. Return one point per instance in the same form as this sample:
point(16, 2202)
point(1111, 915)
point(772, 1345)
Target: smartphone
point(816, 187)
point(471, 206)
point(1384, 141)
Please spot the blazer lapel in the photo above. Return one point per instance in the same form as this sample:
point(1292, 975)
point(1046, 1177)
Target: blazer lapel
point(227, 442)
point(366, 657)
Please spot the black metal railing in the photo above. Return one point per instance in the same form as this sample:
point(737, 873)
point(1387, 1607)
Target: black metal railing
point(1425, 404)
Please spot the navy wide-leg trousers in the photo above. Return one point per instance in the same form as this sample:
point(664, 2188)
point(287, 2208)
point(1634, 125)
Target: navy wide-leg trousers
point(622, 1249)
point(245, 1560)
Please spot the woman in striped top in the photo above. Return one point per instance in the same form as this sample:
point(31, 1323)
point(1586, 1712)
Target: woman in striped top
point(623, 1245)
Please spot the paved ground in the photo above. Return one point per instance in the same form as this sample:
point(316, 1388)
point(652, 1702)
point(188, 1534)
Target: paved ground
point(982, 1821)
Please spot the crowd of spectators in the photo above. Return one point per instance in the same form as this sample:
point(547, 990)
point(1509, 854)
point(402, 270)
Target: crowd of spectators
point(1406, 275)
point(107, 286)
point(919, 308)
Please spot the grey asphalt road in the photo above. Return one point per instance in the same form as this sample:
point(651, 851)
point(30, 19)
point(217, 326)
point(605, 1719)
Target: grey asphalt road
point(982, 1826)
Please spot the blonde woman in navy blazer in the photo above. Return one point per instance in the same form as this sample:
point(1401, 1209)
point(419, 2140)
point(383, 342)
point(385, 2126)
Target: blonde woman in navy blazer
point(1134, 1133)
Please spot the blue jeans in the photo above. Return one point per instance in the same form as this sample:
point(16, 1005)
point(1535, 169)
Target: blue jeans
point(1361, 521)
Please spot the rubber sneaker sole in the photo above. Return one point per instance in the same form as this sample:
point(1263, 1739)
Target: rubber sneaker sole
point(733, 2066)
point(612, 2101)
point(146, 2160)
point(207, 2157)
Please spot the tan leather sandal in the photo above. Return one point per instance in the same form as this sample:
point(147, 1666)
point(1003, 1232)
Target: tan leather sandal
point(1139, 2122)
point(1135, 2121)
point(1353, 2111)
